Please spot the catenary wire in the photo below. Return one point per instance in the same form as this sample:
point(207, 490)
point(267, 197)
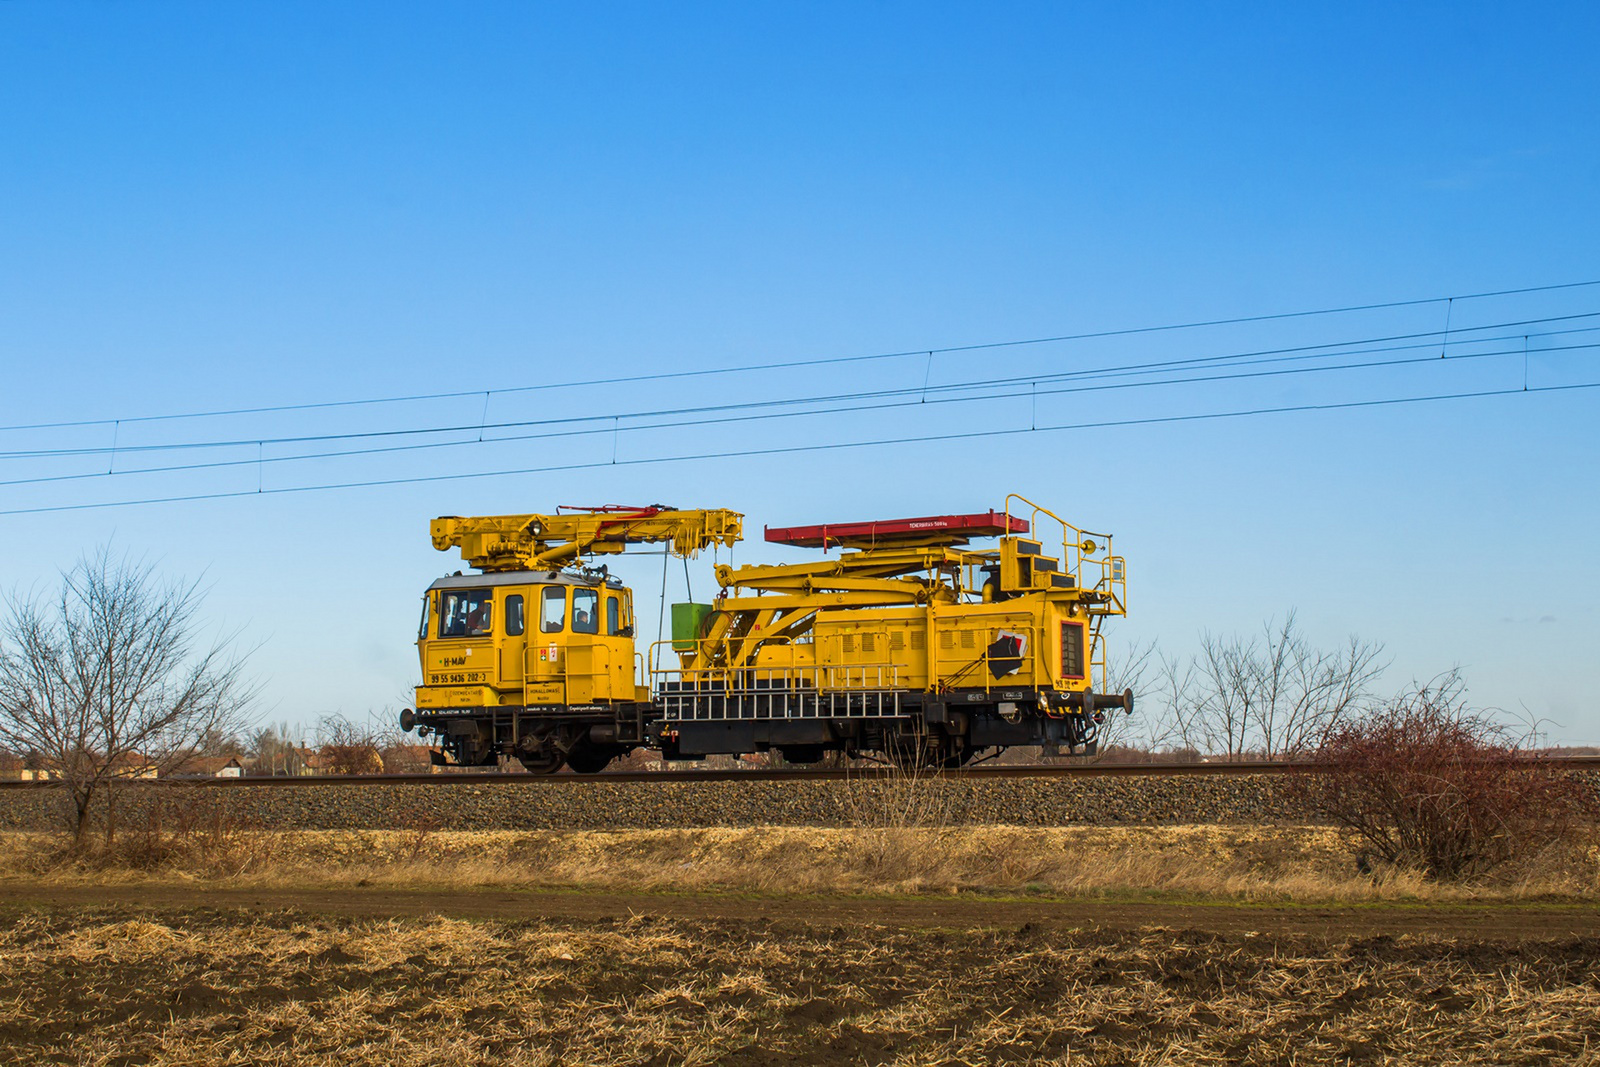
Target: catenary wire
point(704, 409)
point(819, 447)
point(814, 362)
point(850, 409)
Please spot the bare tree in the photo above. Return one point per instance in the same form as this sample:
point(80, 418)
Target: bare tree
point(275, 751)
point(1129, 669)
point(110, 679)
point(221, 742)
point(1274, 694)
point(1169, 719)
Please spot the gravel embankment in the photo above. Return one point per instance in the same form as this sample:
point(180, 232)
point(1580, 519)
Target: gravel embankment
point(598, 804)
point(601, 805)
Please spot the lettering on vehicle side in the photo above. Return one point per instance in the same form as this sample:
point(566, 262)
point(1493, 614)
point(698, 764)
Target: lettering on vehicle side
point(460, 678)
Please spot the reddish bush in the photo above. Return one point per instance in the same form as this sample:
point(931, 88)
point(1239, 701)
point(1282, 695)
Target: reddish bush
point(1428, 784)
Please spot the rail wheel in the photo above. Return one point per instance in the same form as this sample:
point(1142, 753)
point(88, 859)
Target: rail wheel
point(591, 759)
point(542, 753)
point(541, 761)
point(916, 750)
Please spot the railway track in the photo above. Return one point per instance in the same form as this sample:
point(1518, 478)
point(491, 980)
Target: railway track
point(980, 773)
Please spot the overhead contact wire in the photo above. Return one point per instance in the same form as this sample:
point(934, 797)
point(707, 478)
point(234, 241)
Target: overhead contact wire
point(1327, 348)
point(823, 447)
point(815, 362)
point(1032, 391)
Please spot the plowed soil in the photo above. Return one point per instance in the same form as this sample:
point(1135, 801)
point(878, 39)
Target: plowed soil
point(170, 976)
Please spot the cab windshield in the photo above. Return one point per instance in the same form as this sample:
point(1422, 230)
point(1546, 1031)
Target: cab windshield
point(466, 613)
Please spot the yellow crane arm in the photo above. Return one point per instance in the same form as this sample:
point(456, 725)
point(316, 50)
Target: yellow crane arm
point(536, 542)
point(906, 574)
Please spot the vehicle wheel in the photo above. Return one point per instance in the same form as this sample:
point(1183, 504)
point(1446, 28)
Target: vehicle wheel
point(590, 759)
point(917, 751)
point(956, 754)
point(543, 760)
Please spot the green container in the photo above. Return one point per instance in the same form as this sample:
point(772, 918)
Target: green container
point(687, 620)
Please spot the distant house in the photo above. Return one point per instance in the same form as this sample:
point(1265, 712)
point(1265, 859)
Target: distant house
point(133, 765)
point(312, 761)
point(128, 765)
point(208, 767)
point(407, 759)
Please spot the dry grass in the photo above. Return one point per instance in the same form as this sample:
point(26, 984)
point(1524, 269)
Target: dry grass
point(112, 989)
point(1227, 862)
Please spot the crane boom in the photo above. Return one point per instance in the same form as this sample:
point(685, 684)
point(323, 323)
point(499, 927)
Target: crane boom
point(534, 542)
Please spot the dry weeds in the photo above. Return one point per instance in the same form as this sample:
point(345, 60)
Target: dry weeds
point(110, 988)
point(1225, 862)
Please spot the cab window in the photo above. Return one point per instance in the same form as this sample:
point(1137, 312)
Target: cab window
point(466, 613)
point(555, 609)
point(585, 611)
point(613, 614)
point(514, 615)
point(422, 631)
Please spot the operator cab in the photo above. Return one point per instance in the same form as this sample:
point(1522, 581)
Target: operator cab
point(525, 639)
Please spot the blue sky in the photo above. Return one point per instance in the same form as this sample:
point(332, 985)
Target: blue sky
point(208, 206)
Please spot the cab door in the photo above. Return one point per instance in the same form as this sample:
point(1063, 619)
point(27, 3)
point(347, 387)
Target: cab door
point(617, 627)
point(544, 652)
point(513, 612)
point(589, 654)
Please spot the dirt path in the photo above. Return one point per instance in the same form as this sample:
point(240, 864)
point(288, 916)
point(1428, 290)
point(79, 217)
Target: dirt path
point(1502, 922)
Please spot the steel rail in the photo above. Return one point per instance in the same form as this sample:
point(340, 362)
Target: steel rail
point(976, 774)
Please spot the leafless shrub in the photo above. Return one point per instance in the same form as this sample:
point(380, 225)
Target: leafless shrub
point(190, 829)
point(110, 681)
point(1426, 783)
point(348, 747)
point(895, 811)
point(400, 758)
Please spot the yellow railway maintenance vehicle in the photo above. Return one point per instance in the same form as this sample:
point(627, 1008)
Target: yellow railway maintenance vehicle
point(910, 644)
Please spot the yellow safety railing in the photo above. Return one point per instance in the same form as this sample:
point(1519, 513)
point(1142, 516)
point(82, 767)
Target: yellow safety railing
point(877, 674)
point(720, 692)
point(1084, 554)
point(1097, 661)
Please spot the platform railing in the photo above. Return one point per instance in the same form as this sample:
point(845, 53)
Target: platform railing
point(720, 692)
point(1085, 555)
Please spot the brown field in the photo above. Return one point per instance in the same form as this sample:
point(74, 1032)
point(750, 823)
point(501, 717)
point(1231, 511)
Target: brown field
point(1241, 863)
point(1158, 945)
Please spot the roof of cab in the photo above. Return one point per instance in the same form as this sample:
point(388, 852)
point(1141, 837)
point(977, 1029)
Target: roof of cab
point(523, 578)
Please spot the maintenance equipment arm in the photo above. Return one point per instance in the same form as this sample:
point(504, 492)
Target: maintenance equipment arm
point(537, 542)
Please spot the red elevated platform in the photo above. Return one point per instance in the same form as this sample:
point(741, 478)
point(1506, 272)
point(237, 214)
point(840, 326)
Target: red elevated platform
point(949, 529)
